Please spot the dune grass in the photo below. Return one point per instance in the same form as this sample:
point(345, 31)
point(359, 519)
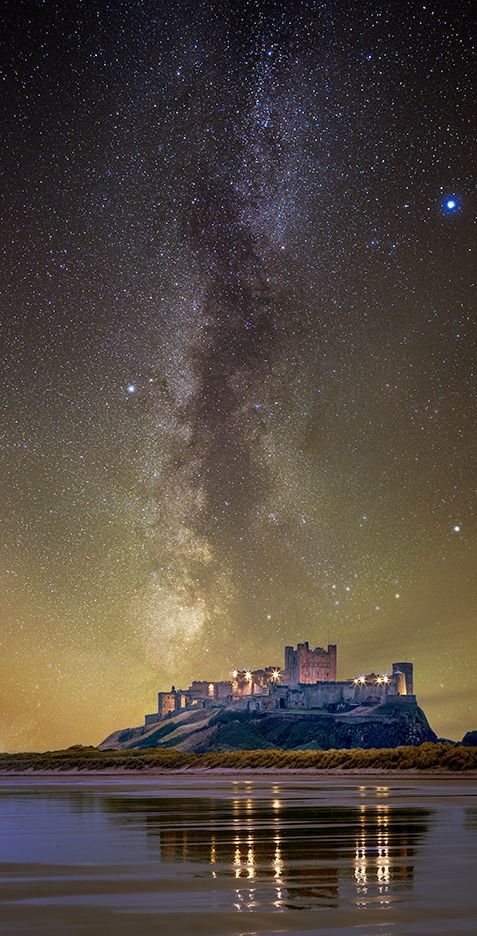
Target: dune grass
point(425, 757)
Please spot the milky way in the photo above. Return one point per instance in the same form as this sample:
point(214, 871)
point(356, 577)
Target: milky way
point(238, 402)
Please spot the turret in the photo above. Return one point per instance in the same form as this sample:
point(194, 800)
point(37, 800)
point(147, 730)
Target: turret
point(408, 671)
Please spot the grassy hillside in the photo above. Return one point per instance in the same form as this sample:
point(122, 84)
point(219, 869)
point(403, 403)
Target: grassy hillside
point(388, 725)
point(426, 756)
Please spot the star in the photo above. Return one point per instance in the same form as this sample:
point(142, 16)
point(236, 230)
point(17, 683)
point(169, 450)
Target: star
point(131, 388)
point(451, 204)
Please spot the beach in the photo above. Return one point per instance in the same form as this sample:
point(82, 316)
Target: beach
point(238, 853)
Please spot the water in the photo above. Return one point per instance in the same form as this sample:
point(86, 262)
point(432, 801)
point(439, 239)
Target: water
point(208, 855)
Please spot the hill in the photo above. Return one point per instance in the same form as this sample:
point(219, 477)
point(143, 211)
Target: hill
point(381, 726)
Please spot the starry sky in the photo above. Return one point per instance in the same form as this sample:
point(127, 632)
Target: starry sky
point(238, 386)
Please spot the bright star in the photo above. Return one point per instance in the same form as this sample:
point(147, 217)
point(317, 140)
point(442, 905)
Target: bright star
point(131, 388)
point(456, 528)
point(451, 204)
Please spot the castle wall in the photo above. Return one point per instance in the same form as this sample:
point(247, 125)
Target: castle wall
point(241, 686)
point(371, 693)
point(199, 689)
point(151, 719)
point(325, 694)
point(315, 696)
point(223, 690)
point(328, 695)
point(257, 683)
point(202, 689)
point(262, 679)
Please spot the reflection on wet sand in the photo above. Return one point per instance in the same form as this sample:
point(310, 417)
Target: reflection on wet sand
point(204, 856)
point(284, 855)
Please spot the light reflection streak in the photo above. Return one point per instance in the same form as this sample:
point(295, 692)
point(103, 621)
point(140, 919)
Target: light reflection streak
point(383, 860)
point(251, 858)
point(269, 858)
point(381, 848)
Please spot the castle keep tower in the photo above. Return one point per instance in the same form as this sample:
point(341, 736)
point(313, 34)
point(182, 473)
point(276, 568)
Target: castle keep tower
point(307, 666)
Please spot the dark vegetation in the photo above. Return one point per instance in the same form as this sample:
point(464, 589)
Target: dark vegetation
point(424, 757)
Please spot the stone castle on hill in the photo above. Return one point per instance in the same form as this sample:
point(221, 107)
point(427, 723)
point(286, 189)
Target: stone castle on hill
point(307, 682)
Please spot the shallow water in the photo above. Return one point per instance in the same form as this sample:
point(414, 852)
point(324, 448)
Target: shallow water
point(212, 855)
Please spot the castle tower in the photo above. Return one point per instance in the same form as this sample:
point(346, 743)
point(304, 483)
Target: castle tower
point(305, 666)
point(408, 670)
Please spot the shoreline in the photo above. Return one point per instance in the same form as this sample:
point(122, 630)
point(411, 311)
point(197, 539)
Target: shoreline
point(308, 773)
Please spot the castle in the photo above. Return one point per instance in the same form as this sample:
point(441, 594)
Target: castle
point(307, 682)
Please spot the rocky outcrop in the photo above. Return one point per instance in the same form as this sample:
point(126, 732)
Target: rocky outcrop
point(391, 724)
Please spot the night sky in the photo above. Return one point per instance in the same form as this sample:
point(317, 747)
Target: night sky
point(238, 405)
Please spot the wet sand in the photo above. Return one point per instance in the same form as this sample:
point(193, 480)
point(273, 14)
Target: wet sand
point(209, 854)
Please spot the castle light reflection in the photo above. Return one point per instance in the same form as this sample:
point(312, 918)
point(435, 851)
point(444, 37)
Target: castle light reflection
point(383, 861)
point(277, 862)
point(250, 858)
point(373, 858)
point(282, 854)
